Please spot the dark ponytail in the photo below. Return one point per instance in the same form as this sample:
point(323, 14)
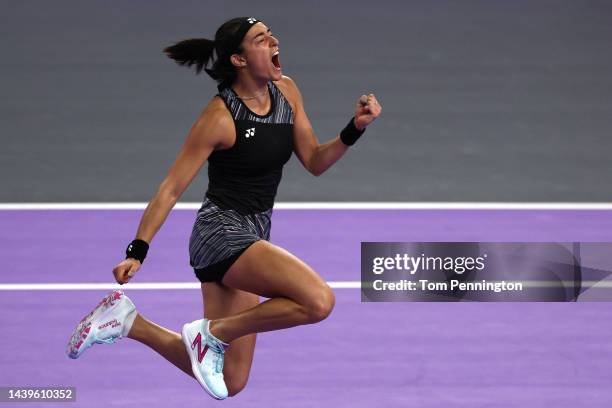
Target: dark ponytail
point(200, 52)
point(195, 51)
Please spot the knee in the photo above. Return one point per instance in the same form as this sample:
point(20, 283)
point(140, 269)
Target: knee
point(235, 384)
point(321, 305)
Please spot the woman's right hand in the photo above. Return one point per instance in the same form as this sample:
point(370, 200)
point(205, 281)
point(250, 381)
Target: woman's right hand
point(126, 270)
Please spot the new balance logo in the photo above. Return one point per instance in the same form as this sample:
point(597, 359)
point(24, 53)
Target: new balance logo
point(250, 132)
point(201, 351)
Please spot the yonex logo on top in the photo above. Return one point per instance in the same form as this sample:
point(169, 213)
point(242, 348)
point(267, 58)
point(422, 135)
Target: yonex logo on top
point(251, 20)
point(250, 132)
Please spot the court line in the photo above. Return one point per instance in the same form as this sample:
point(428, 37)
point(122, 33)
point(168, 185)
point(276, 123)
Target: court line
point(134, 286)
point(195, 285)
point(328, 206)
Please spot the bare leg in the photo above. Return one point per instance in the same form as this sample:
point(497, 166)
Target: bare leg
point(165, 342)
point(298, 295)
point(219, 302)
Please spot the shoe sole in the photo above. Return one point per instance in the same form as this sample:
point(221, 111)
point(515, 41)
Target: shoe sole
point(194, 366)
point(81, 332)
point(78, 338)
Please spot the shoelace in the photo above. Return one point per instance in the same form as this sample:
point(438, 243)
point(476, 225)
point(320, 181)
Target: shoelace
point(218, 354)
point(109, 340)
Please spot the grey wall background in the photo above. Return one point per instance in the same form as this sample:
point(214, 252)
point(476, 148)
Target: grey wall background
point(483, 100)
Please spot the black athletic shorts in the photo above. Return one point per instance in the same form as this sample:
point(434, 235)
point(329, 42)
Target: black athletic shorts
point(219, 237)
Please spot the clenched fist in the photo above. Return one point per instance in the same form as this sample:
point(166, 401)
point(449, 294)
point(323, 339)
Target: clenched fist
point(126, 270)
point(367, 110)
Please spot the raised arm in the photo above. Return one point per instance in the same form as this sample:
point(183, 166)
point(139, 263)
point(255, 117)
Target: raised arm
point(213, 128)
point(315, 157)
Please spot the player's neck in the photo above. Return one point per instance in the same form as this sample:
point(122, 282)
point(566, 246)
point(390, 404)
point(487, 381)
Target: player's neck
point(251, 89)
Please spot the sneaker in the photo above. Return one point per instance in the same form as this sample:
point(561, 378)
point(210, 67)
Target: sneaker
point(206, 354)
point(110, 320)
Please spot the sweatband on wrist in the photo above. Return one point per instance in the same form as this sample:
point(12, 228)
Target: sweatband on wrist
point(350, 133)
point(137, 249)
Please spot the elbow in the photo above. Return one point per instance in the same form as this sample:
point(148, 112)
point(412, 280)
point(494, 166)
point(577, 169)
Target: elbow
point(173, 197)
point(316, 172)
point(315, 168)
point(170, 193)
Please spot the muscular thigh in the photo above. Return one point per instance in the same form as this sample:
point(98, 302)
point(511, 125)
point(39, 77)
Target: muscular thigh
point(268, 270)
point(221, 301)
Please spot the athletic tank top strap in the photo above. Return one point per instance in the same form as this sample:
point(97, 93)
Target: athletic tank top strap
point(280, 109)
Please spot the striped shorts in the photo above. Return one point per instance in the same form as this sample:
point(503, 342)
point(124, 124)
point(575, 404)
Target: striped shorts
point(220, 236)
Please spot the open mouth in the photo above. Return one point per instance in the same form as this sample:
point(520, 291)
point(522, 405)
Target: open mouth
point(276, 60)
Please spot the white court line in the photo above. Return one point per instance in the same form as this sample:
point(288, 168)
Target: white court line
point(194, 285)
point(328, 206)
point(134, 286)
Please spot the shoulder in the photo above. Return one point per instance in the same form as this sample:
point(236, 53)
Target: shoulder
point(215, 113)
point(290, 90)
point(215, 123)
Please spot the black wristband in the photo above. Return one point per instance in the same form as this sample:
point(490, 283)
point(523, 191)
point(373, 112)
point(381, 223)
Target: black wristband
point(137, 249)
point(350, 133)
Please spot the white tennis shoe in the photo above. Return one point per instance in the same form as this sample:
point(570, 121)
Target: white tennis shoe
point(206, 353)
point(110, 320)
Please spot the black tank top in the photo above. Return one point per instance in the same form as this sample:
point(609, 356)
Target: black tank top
point(245, 177)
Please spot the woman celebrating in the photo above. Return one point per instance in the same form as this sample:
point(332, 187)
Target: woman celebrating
point(247, 133)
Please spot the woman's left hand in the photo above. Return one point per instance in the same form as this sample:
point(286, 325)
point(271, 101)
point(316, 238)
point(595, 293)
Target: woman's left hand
point(367, 110)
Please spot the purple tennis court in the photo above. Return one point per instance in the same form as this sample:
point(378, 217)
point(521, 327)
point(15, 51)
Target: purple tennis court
point(365, 354)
